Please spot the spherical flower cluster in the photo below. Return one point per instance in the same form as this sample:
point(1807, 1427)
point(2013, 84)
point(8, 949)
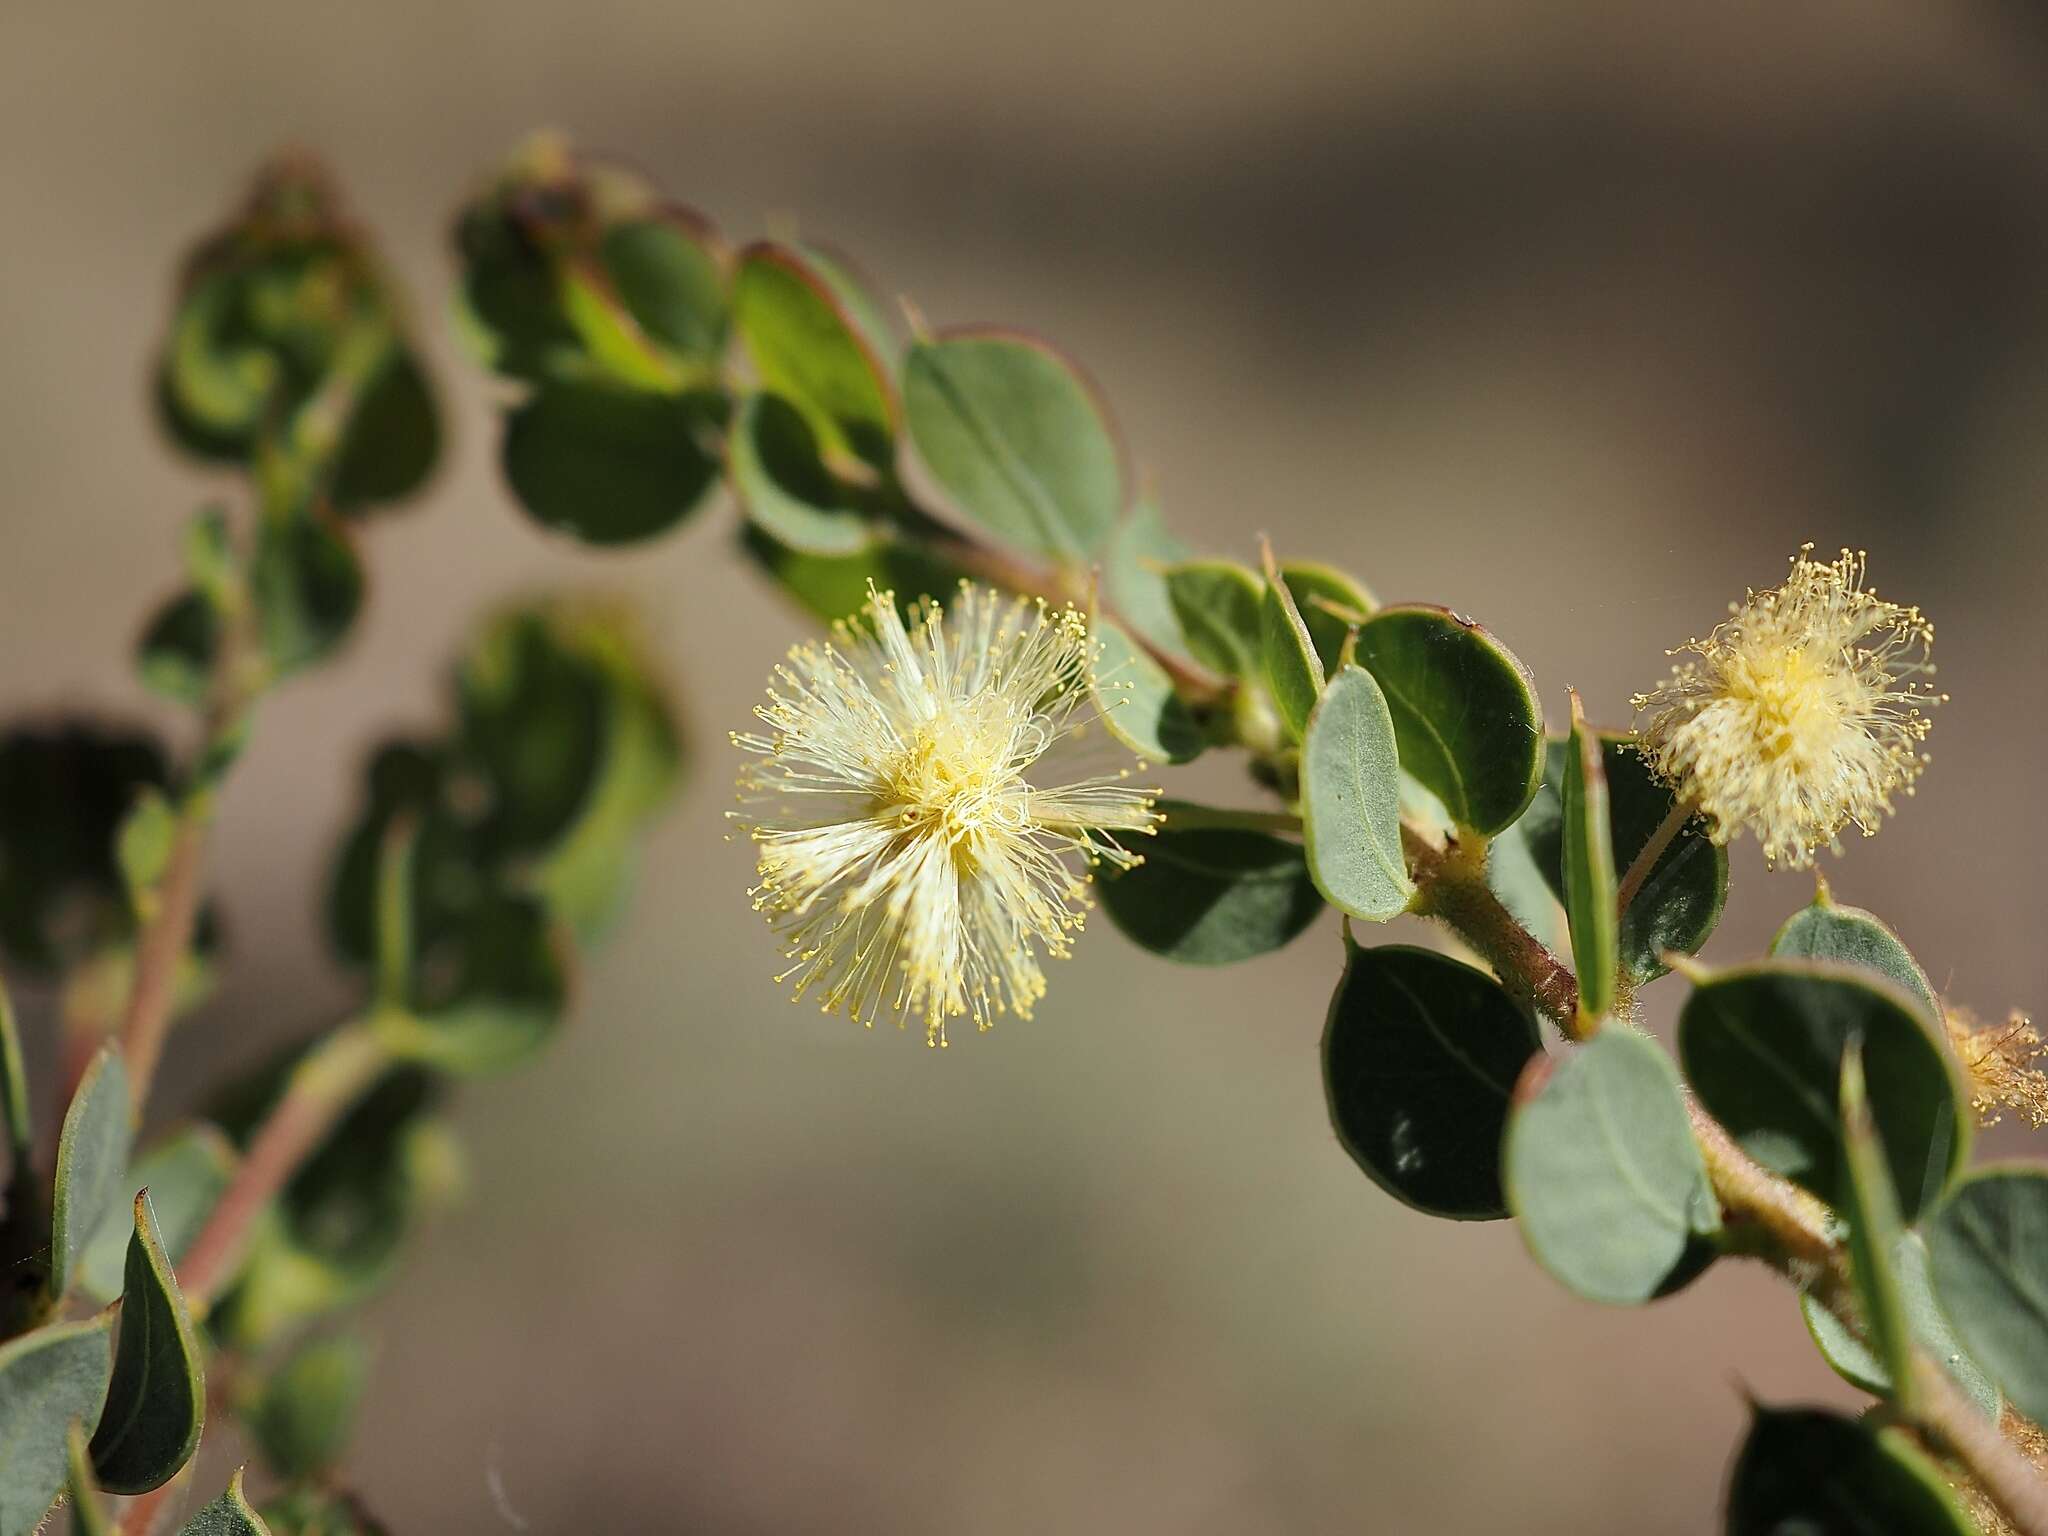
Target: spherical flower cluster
point(912, 867)
point(1801, 714)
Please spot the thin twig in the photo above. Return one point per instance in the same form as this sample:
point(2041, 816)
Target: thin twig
point(1646, 860)
point(158, 957)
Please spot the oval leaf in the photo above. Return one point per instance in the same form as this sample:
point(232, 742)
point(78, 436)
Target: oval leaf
point(1351, 800)
point(1602, 1171)
point(772, 456)
point(156, 1404)
point(1212, 895)
point(1218, 607)
point(666, 271)
point(1331, 605)
point(606, 465)
point(1134, 577)
point(1292, 669)
point(1464, 708)
point(1989, 1247)
point(1852, 1359)
point(1589, 880)
point(1420, 1055)
point(92, 1158)
point(808, 346)
point(1808, 1470)
point(48, 1378)
point(1017, 439)
point(1762, 1045)
point(1853, 937)
point(1139, 704)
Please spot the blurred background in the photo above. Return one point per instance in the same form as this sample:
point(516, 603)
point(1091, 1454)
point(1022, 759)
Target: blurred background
point(1577, 316)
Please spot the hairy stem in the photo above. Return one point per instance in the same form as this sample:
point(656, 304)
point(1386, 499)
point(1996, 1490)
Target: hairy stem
point(320, 1090)
point(1452, 887)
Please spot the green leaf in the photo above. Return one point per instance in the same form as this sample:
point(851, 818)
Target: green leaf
point(48, 1378)
point(667, 272)
point(1018, 441)
point(508, 309)
point(1762, 1045)
point(218, 380)
point(508, 995)
point(1331, 604)
point(308, 586)
point(1872, 1213)
point(781, 480)
point(830, 587)
point(1852, 1359)
point(1219, 608)
point(1420, 1055)
point(305, 1410)
point(619, 351)
point(1212, 895)
point(1134, 577)
point(1292, 669)
point(92, 1156)
point(1853, 937)
point(1989, 1246)
point(1139, 704)
point(1602, 1171)
point(1351, 800)
point(608, 465)
point(88, 1515)
point(228, 1515)
point(174, 656)
point(185, 1174)
point(1524, 887)
point(143, 845)
point(14, 1110)
point(392, 438)
point(1810, 1472)
point(1589, 879)
point(156, 1404)
point(1678, 905)
point(1464, 709)
point(811, 348)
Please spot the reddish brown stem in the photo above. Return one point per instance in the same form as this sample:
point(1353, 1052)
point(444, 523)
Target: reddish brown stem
point(158, 957)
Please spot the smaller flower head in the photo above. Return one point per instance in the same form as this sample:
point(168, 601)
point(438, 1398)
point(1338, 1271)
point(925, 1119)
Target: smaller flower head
point(2002, 1064)
point(1802, 713)
point(913, 867)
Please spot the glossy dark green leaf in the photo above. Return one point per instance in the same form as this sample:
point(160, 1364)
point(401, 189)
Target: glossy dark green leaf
point(392, 438)
point(1017, 440)
point(1762, 1046)
point(619, 351)
point(1351, 800)
point(1809, 1472)
point(175, 653)
point(1134, 577)
point(780, 478)
point(308, 584)
point(666, 270)
point(1212, 895)
point(229, 1515)
point(1935, 1334)
point(1293, 671)
point(508, 308)
point(1989, 1246)
point(185, 1174)
point(1871, 1209)
point(1850, 936)
point(607, 465)
point(810, 347)
point(1331, 604)
point(89, 1516)
point(305, 1410)
point(1602, 1171)
point(830, 587)
point(1218, 606)
point(48, 1378)
point(1588, 859)
point(1139, 705)
point(1464, 709)
point(64, 790)
point(1420, 1056)
point(1678, 905)
point(156, 1403)
point(92, 1160)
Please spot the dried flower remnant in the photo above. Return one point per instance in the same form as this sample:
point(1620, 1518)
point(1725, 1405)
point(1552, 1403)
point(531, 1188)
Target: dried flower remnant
point(1802, 713)
point(911, 865)
point(2002, 1065)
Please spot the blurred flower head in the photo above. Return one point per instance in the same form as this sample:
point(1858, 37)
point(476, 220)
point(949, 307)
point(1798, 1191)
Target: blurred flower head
point(1801, 714)
point(2002, 1064)
point(911, 864)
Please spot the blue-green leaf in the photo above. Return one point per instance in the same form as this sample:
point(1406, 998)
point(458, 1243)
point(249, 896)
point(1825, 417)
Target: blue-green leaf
point(1989, 1246)
point(1851, 936)
point(92, 1157)
point(48, 1379)
point(1589, 879)
point(228, 1515)
point(1351, 800)
point(156, 1403)
point(1139, 704)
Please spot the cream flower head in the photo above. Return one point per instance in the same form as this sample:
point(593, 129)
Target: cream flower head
point(1801, 714)
point(911, 866)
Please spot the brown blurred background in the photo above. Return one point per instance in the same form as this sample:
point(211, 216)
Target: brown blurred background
point(1577, 316)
